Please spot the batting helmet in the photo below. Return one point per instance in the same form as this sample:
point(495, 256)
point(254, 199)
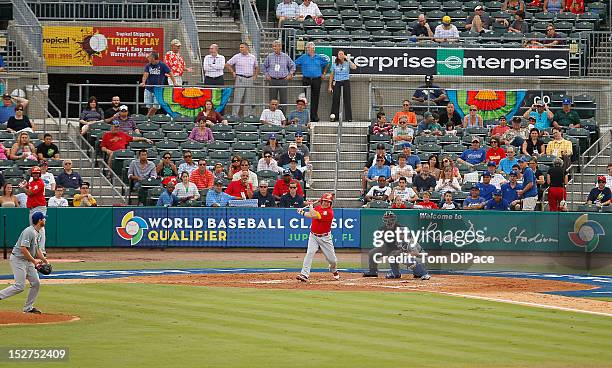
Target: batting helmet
point(389, 218)
point(36, 169)
point(327, 197)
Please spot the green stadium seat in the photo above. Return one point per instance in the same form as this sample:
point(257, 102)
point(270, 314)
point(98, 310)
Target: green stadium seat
point(219, 155)
point(324, 4)
point(455, 148)
point(244, 146)
point(383, 35)
point(409, 5)
point(411, 15)
point(388, 5)
point(178, 137)
point(248, 137)
point(366, 5)
point(339, 33)
point(352, 24)
point(225, 136)
point(331, 24)
point(370, 14)
point(139, 118)
point(378, 204)
point(345, 4)
point(166, 145)
point(456, 14)
point(393, 14)
point(193, 146)
point(13, 172)
point(430, 5)
point(147, 127)
point(218, 146)
point(565, 16)
point(453, 5)
point(161, 119)
point(155, 136)
point(493, 5)
point(245, 128)
point(222, 128)
point(435, 14)
point(374, 25)
point(172, 127)
point(395, 26)
point(153, 195)
point(310, 24)
point(544, 17)
point(587, 208)
point(329, 13)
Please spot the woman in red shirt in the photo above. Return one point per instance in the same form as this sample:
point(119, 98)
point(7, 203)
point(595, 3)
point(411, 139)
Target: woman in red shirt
point(210, 114)
point(495, 153)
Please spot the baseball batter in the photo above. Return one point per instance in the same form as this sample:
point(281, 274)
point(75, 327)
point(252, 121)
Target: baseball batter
point(320, 236)
point(23, 263)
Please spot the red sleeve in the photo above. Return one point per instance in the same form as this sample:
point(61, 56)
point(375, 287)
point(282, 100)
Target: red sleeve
point(276, 191)
point(128, 137)
point(434, 206)
point(37, 188)
point(104, 141)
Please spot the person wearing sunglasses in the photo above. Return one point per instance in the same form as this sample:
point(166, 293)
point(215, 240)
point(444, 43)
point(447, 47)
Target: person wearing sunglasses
point(245, 167)
point(166, 168)
point(19, 122)
point(202, 177)
point(601, 194)
point(264, 195)
point(405, 112)
point(234, 167)
point(69, 178)
point(141, 170)
point(473, 120)
point(84, 198)
point(292, 199)
point(268, 163)
point(188, 165)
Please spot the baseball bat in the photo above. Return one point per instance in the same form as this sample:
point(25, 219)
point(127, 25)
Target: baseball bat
point(313, 203)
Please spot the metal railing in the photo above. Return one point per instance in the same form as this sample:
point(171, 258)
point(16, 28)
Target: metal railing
point(596, 54)
point(24, 17)
point(252, 24)
point(118, 11)
point(188, 18)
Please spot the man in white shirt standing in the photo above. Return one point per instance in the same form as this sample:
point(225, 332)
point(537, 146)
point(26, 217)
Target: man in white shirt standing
point(244, 69)
point(213, 67)
point(273, 115)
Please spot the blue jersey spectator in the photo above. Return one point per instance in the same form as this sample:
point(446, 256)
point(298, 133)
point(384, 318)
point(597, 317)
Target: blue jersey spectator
point(497, 203)
point(529, 177)
point(216, 197)
point(509, 190)
point(412, 160)
point(166, 198)
point(379, 169)
point(601, 194)
point(474, 201)
point(473, 155)
point(486, 188)
point(542, 115)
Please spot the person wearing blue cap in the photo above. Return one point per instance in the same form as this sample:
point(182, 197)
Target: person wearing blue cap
point(510, 191)
point(486, 188)
point(566, 117)
point(412, 160)
point(25, 256)
point(474, 201)
point(529, 192)
point(474, 155)
point(542, 115)
point(497, 203)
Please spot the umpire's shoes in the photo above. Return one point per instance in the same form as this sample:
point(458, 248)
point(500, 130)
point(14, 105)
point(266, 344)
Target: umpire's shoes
point(301, 278)
point(336, 275)
point(425, 277)
point(370, 274)
point(33, 311)
point(391, 275)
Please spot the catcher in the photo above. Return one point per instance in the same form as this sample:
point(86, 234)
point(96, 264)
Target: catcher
point(25, 266)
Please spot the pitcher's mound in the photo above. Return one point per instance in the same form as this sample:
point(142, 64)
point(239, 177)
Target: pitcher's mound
point(18, 318)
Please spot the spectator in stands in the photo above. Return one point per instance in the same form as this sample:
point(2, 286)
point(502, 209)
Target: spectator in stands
point(450, 116)
point(292, 153)
point(377, 170)
point(309, 9)
point(403, 133)
point(474, 201)
point(557, 179)
point(513, 6)
point(497, 203)
point(202, 177)
point(473, 120)
point(510, 191)
point(188, 165)
point(273, 115)
point(566, 117)
point(388, 161)
point(8, 199)
point(473, 155)
point(58, 199)
point(424, 181)
point(140, 170)
point(167, 198)
point(245, 167)
point(278, 68)
point(281, 187)
point(176, 63)
point(19, 122)
point(213, 66)
point(575, 6)
point(426, 202)
point(9, 105)
point(210, 115)
point(155, 73)
point(497, 179)
point(434, 164)
point(241, 188)
point(302, 147)
point(447, 162)
point(519, 25)
point(495, 153)
point(340, 84)
point(244, 68)
point(554, 6)
point(268, 163)
point(601, 194)
point(516, 135)
point(553, 39)
point(2, 66)
point(398, 203)
point(23, 149)
point(401, 170)
point(609, 176)
point(299, 116)
point(166, 168)
point(234, 166)
point(273, 146)
point(47, 149)
point(541, 113)
point(185, 190)
point(412, 160)
point(380, 191)
point(112, 112)
point(264, 196)
point(559, 146)
point(91, 114)
point(126, 123)
point(431, 125)
point(534, 146)
point(381, 126)
point(69, 178)
point(499, 130)
point(46, 176)
point(292, 199)
point(529, 192)
point(117, 140)
point(447, 202)
point(314, 67)
point(407, 194)
point(405, 112)
point(446, 32)
point(447, 182)
point(4, 152)
point(286, 9)
point(430, 94)
point(295, 171)
point(485, 187)
point(479, 22)
point(510, 160)
point(422, 30)
point(84, 198)
point(216, 197)
point(202, 133)
point(219, 172)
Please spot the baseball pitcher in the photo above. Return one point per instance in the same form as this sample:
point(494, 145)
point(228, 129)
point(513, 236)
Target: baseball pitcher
point(320, 236)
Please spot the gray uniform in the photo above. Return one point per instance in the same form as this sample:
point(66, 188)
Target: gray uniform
point(323, 241)
point(23, 269)
point(43, 234)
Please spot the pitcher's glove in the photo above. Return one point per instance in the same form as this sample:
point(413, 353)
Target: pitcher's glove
point(44, 268)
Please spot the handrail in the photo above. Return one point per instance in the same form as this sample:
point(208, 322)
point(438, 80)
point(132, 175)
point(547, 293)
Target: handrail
point(253, 25)
point(187, 16)
point(25, 17)
point(102, 10)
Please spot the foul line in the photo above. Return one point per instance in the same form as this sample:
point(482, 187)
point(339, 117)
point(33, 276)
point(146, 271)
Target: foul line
point(522, 303)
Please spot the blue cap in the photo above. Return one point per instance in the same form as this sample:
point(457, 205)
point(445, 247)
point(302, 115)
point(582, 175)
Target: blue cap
point(286, 172)
point(272, 136)
point(514, 172)
point(406, 145)
point(474, 187)
point(116, 122)
point(497, 192)
point(491, 163)
point(37, 216)
point(486, 173)
point(567, 101)
point(520, 161)
point(299, 133)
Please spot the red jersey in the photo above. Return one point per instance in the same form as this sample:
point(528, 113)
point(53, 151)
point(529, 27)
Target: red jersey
point(281, 188)
point(202, 181)
point(430, 205)
point(495, 154)
point(37, 198)
point(322, 225)
point(499, 130)
point(116, 141)
point(235, 188)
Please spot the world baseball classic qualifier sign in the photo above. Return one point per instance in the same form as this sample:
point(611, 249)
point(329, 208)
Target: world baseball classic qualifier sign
point(100, 46)
point(541, 63)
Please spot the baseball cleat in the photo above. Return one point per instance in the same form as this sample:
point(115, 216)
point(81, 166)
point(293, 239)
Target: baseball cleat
point(33, 311)
point(301, 278)
point(336, 275)
point(425, 277)
point(391, 275)
point(370, 274)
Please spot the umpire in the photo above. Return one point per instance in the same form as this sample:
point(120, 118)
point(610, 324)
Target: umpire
point(387, 249)
point(23, 263)
point(314, 67)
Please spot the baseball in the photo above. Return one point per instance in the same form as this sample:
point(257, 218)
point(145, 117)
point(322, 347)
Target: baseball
point(98, 42)
point(132, 228)
point(332, 116)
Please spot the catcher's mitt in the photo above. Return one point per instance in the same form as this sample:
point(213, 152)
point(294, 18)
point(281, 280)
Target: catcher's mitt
point(44, 268)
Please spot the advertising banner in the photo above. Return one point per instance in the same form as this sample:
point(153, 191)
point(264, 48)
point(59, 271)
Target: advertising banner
point(541, 63)
point(100, 46)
